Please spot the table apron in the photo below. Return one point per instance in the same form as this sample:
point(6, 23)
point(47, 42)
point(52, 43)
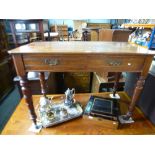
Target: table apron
point(88, 63)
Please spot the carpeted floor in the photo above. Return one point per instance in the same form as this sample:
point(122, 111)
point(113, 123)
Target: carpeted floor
point(7, 106)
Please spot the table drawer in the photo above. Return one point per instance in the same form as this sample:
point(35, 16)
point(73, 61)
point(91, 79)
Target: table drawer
point(54, 63)
point(73, 63)
point(116, 63)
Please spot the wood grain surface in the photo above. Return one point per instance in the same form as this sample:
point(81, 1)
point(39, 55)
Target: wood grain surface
point(82, 47)
point(20, 123)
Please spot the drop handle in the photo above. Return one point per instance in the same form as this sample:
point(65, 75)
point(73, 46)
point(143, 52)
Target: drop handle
point(51, 62)
point(114, 63)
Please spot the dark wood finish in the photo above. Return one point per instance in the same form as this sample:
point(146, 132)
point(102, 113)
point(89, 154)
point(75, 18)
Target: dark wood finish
point(6, 66)
point(18, 61)
point(19, 66)
point(28, 97)
point(6, 83)
point(114, 35)
point(117, 78)
point(13, 31)
point(94, 33)
point(136, 94)
point(3, 41)
point(17, 42)
point(85, 35)
point(19, 123)
point(95, 62)
point(41, 29)
point(83, 56)
point(139, 85)
point(51, 84)
point(42, 83)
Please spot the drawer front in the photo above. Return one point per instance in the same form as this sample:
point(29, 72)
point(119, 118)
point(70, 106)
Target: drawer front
point(116, 63)
point(54, 63)
point(90, 63)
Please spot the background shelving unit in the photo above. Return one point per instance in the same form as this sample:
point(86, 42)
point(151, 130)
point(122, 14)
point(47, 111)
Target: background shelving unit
point(62, 31)
point(138, 25)
point(32, 29)
point(6, 64)
point(140, 30)
point(3, 41)
point(151, 44)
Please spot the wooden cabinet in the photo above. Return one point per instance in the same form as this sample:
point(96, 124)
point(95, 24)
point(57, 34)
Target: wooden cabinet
point(62, 31)
point(3, 41)
point(21, 32)
point(6, 64)
point(114, 35)
point(5, 78)
point(99, 25)
point(91, 33)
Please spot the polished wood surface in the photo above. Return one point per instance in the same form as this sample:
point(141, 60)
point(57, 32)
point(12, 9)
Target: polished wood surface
point(42, 83)
point(25, 87)
point(82, 47)
point(19, 123)
point(83, 56)
point(78, 62)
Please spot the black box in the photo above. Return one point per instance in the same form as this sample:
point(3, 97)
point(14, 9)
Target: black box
point(103, 107)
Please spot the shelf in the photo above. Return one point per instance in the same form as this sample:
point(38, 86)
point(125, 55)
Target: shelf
point(28, 31)
point(139, 25)
point(4, 50)
point(21, 34)
point(22, 41)
point(137, 44)
point(9, 34)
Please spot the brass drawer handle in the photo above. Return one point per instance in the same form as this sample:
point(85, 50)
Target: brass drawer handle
point(114, 62)
point(51, 62)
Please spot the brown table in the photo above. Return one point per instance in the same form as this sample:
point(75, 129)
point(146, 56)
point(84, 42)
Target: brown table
point(81, 56)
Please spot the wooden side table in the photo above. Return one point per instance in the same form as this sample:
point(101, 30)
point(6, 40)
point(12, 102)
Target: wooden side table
point(81, 56)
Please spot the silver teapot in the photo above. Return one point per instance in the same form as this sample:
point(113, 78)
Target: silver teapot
point(69, 100)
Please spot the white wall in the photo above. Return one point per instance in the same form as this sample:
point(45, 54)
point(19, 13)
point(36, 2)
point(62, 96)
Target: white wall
point(68, 22)
point(98, 20)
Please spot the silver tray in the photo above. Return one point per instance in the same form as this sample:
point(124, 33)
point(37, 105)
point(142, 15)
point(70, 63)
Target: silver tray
point(72, 112)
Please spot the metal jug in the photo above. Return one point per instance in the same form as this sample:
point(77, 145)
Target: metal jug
point(69, 100)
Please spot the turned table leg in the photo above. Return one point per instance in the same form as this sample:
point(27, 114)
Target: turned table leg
point(117, 78)
point(42, 83)
point(136, 95)
point(28, 97)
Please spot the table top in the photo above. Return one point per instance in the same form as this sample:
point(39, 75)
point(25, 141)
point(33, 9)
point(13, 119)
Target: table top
point(82, 47)
point(20, 123)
